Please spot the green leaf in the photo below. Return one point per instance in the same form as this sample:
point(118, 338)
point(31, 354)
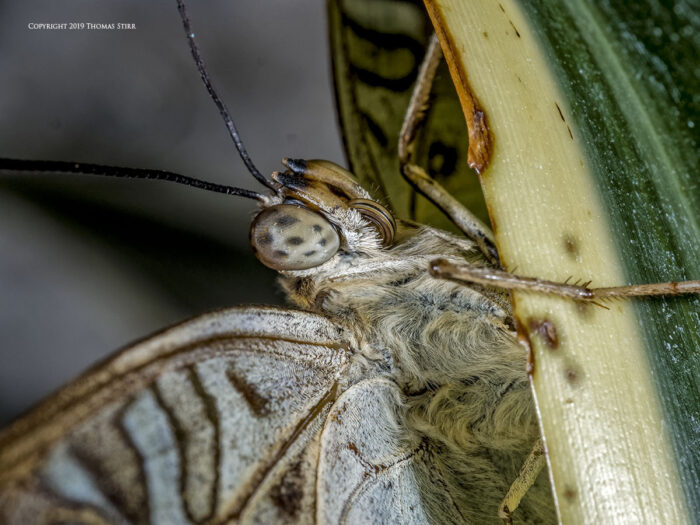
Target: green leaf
point(593, 109)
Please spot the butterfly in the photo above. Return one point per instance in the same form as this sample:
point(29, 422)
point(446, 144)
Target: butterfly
point(355, 410)
point(285, 376)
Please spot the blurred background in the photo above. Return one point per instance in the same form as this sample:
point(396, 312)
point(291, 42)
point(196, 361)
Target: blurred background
point(89, 264)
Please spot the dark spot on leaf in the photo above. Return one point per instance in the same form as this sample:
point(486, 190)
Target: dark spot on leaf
point(569, 493)
point(571, 246)
point(486, 35)
point(546, 330)
point(585, 309)
point(295, 241)
point(561, 115)
point(517, 33)
point(572, 375)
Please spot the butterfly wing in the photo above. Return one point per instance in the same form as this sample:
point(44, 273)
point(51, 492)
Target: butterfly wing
point(217, 417)
point(377, 48)
point(238, 415)
point(372, 470)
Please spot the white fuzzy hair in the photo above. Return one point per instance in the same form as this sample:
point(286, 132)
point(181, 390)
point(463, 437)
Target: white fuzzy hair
point(449, 347)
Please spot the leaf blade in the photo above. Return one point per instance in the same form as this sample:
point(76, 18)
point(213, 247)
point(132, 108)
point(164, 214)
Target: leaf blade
point(555, 217)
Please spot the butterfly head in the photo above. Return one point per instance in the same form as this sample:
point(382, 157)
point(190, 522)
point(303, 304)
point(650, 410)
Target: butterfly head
point(318, 211)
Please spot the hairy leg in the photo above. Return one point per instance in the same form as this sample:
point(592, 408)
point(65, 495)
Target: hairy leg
point(464, 219)
point(500, 279)
point(528, 474)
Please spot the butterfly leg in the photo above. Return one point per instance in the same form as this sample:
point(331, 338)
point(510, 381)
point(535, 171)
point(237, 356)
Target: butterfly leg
point(528, 474)
point(500, 279)
point(465, 220)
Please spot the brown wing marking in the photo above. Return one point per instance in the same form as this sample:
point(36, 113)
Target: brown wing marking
point(199, 451)
point(171, 437)
point(257, 484)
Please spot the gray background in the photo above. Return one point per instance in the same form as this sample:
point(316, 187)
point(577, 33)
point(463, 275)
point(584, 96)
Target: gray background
point(89, 264)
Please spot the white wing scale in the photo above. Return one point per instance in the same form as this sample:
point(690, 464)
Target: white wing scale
point(372, 470)
point(235, 416)
point(188, 426)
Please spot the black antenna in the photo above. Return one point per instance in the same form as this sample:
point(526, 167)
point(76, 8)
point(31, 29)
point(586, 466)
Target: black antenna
point(131, 173)
point(219, 103)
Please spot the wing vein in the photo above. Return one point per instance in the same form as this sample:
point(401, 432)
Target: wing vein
point(303, 423)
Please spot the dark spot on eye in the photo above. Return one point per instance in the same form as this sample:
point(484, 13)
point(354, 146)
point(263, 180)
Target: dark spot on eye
point(264, 238)
point(323, 242)
point(286, 220)
point(317, 228)
point(547, 332)
point(295, 241)
point(309, 254)
point(280, 253)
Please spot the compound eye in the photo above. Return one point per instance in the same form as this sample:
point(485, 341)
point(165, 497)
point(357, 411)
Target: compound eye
point(287, 237)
